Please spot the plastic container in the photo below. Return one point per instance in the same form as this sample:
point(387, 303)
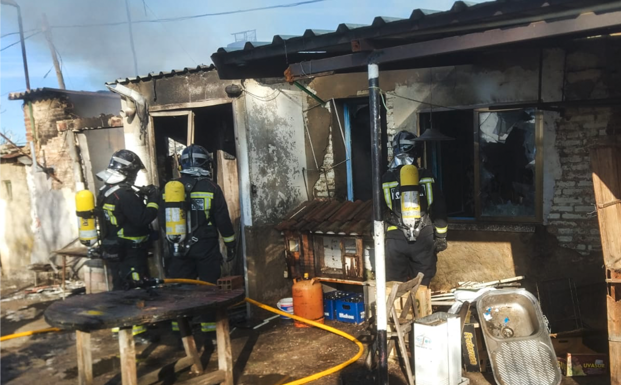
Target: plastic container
point(307, 300)
point(350, 309)
point(329, 303)
point(286, 305)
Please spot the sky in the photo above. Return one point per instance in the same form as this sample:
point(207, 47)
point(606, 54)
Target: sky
point(92, 55)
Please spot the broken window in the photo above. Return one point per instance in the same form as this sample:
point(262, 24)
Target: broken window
point(497, 178)
point(507, 163)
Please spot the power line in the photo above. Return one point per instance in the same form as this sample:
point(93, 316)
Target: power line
point(181, 18)
point(16, 33)
point(17, 42)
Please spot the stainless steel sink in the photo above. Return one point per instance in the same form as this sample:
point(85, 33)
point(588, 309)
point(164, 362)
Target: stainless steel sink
point(517, 340)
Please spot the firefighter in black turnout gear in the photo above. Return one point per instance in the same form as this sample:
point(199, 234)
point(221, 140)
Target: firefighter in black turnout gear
point(406, 257)
point(208, 215)
point(125, 220)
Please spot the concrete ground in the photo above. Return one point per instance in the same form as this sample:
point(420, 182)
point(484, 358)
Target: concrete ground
point(273, 354)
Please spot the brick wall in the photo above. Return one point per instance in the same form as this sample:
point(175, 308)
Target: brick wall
point(325, 188)
point(46, 111)
point(572, 218)
point(57, 156)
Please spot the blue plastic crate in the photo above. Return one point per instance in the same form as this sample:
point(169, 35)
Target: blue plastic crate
point(350, 309)
point(329, 302)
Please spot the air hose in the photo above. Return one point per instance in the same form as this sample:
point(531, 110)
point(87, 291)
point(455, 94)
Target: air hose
point(304, 380)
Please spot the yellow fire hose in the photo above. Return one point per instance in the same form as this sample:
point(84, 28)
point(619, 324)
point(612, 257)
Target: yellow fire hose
point(304, 380)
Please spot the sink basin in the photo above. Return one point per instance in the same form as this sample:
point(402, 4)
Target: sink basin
point(518, 343)
point(509, 315)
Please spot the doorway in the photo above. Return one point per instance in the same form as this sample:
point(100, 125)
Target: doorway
point(213, 128)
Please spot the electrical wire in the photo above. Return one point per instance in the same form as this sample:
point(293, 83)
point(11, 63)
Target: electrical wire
point(17, 42)
point(181, 18)
point(17, 33)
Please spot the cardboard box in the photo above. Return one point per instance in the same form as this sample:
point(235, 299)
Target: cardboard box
point(474, 355)
point(576, 360)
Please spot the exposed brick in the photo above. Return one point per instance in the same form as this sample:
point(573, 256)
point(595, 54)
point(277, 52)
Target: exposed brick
point(565, 184)
point(565, 209)
point(584, 209)
point(581, 247)
point(565, 201)
point(565, 238)
point(572, 216)
point(566, 231)
point(554, 216)
point(577, 191)
point(585, 183)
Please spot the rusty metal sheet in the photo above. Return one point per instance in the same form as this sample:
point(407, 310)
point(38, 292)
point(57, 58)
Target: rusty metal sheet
point(137, 307)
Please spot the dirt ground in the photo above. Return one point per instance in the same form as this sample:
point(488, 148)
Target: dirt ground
point(272, 354)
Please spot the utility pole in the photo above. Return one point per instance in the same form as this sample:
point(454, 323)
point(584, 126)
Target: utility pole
point(131, 36)
point(45, 27)
point(21, 38)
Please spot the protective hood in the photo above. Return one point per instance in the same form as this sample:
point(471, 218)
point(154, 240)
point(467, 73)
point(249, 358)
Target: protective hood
point(196, 171)
point(401, 160)
point(109, 176)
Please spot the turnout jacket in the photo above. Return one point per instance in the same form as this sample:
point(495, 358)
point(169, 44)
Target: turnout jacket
point(125, 214)
point(209, 212)
point(432, 203)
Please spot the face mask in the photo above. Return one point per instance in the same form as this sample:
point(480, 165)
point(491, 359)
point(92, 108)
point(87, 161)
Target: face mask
point(401, 160)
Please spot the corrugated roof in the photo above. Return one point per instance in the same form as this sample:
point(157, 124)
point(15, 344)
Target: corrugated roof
point(36, 92)
point(164, 74)
point(330, 217)
point(264, 59)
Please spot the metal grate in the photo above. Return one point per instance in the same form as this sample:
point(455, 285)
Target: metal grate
point(525, 363)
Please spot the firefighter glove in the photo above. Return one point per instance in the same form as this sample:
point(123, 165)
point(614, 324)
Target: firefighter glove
point(231, 252)
point(151, 192)
point(440, 244)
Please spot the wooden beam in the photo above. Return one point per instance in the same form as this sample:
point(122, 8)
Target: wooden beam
point(190, 345)
point(85, 360)
point(128, 357)
point(606, 166)
point(225, 355)
point(180, 106)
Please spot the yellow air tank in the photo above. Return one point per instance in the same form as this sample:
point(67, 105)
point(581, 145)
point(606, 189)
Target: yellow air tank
point(176, 229)
point(85, 206)
point(410, 198)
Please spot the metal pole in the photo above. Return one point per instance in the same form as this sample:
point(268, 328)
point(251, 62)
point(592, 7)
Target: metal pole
point(378, 223)
point(21, 39)
point(45, 27)
point(131, 37)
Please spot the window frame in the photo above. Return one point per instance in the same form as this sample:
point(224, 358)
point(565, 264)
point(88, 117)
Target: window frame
point(478, 218)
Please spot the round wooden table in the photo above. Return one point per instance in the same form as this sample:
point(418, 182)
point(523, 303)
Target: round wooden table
point(124, 309)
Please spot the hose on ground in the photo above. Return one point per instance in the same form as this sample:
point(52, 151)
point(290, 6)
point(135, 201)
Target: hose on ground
point(301, 381)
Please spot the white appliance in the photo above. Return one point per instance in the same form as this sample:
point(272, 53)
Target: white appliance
point(437, 350)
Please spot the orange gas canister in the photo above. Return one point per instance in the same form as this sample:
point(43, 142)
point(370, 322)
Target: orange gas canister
point(307, 300)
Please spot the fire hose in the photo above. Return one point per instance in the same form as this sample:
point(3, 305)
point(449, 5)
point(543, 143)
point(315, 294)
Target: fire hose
point(304, 380)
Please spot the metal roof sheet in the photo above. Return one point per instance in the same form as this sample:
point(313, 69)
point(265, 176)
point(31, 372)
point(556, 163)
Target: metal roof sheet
point(264, 60)
point(36, 92)
point(165, 74)
point(330, 217)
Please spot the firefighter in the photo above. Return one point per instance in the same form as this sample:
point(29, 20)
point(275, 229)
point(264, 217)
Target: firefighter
point(125, 222)
point(407, 255)
point(207, 215)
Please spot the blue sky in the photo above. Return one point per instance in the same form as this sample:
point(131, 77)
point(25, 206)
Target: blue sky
point(93, 55)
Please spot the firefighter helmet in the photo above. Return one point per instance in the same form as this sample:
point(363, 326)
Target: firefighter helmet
point(404, 143)
point(124, 166)
point(195, 156)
